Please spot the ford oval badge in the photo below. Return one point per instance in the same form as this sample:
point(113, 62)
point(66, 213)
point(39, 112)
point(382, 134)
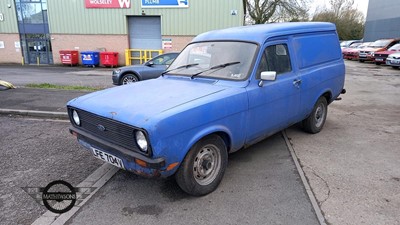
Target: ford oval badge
point(101, 127)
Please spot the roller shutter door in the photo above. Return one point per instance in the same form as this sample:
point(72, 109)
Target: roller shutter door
point(145, 32)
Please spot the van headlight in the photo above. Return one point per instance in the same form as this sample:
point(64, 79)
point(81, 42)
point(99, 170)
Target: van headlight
point(141, 141)
point(76, 118)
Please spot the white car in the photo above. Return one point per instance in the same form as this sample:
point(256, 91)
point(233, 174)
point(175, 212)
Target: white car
point(393, 60)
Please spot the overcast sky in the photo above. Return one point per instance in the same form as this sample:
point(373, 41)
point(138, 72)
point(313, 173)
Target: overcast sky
point(361, 5)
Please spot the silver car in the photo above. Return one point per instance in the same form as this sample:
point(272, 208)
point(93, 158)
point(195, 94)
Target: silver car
point(148, 70)
point(393, 60)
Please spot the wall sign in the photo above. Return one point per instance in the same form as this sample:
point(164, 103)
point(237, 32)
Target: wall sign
point(167, 43)
point(165, 3)
point(108, 4)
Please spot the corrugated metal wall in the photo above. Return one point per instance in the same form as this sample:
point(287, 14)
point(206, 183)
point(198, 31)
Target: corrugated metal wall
point(71, 17)
point(383, 20)
point(9, 23)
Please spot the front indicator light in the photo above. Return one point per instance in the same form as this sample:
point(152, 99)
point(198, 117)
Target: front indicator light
point(141, 141)
point(141, 163)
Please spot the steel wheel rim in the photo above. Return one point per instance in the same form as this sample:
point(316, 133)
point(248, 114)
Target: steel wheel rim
point(129, 80)
point(207, 164)
point(319, 115)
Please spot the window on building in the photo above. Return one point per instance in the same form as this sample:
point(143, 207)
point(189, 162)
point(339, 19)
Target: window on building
point(31, 11)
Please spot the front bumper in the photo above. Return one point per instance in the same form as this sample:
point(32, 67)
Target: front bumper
point(366, 57)
point(115, 78)
point(393, 62)
point(150, 167)
point(350, 56)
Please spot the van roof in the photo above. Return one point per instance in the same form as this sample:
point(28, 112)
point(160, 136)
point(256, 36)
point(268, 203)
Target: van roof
point(259, 33)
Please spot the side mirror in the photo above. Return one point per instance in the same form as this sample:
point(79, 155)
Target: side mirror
point(268, 75)
point(150, 63)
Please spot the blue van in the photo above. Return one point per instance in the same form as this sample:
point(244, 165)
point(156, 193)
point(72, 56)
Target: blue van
point(228, 89)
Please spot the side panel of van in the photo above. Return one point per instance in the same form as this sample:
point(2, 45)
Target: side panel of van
point(321, 67)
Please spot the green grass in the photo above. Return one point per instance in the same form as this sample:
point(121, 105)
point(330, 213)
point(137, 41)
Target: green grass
point(63, 87)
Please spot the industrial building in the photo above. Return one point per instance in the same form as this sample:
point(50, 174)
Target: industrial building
point(35, 31)
point(383, 20)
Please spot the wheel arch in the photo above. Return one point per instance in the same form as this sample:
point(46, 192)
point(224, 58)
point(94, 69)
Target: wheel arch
point(222, 133)
point(327, 94)
point(328, 97)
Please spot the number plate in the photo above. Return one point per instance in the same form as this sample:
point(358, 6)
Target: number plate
point(106, 157)
point(396, 61)
point(379, 60)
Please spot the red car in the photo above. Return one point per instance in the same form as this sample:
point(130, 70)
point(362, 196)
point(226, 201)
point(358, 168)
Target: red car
point(380, 45)
point(350, 47)
point(380, 57)
point(352, 53)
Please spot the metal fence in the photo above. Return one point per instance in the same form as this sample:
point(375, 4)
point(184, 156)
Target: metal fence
point(139, 56)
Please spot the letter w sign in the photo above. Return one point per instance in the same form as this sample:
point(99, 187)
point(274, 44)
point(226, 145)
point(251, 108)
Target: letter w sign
point(108, 3)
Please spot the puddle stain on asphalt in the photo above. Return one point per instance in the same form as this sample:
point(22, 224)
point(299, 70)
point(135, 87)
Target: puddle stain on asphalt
point(151, 210)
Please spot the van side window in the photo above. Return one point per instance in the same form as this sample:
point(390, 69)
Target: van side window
point(275, 58)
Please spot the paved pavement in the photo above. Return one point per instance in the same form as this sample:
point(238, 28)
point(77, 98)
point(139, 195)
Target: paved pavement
point(59, 75)
point(47, 102)
point(37, 102)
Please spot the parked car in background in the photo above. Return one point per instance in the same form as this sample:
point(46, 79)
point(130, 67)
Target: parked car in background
point(346, 44)
point(367, 54)
point(148, 70)
point(351, 47)
point(380, 57)
point(352, 53)
point(393, 60)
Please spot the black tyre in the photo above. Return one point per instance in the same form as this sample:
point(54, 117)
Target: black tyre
point(361, 60)
point(203, 167)
point(378, 63)
point(316, 120)
point(129, 78)
point(395, 67)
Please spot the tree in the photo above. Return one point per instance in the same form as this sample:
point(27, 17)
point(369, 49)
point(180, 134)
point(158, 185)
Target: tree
point(269, 11)
point(349, 21)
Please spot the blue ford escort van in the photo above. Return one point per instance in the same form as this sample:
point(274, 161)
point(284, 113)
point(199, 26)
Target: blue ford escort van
point(227, 90)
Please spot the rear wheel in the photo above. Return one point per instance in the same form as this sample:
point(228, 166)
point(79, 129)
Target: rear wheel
point(203, 167)
point(129, 78)
point(316, 120)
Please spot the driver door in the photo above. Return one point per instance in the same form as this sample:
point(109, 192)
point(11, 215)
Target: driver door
point(274, 105)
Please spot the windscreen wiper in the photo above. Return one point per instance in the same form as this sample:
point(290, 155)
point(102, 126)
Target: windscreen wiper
point(220, 66)
point(179, 67)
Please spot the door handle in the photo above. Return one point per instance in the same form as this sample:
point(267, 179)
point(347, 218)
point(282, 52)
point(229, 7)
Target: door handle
point(297, 83)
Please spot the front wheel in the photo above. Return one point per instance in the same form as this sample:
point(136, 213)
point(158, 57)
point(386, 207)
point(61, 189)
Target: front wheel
point(203, 167)
point(129, 78)
point(316, 120)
